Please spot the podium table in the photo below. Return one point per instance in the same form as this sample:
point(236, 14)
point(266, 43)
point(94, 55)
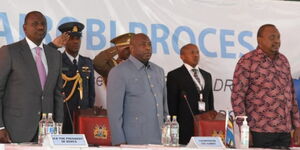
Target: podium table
point(129, 147)
point(95, 127)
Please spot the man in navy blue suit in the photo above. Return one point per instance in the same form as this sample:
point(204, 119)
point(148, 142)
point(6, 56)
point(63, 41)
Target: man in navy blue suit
point(78, 73)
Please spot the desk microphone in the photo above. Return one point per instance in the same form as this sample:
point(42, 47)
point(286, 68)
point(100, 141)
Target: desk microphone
point(70, 116)
point(183, 93)
point(196, 125)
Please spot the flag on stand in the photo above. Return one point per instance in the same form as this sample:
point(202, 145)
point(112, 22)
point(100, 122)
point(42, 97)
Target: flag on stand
point(229, 135)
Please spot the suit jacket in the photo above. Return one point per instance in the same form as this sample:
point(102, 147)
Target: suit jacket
point(179, 81)
point(22, 99)
point(104, 62)
point(88, 82)
point(75, 103)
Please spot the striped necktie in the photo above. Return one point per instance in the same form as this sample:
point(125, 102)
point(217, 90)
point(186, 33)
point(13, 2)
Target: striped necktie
point(197, 78)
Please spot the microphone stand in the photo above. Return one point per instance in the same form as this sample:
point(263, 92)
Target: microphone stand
point(187, 102)
point(191, 111)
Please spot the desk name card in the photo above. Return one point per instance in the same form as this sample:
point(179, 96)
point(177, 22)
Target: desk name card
point(205, 142)
point(65, 140)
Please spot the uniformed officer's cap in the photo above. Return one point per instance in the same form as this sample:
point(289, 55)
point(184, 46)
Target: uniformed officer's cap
point(73, 28)
point(123, 39)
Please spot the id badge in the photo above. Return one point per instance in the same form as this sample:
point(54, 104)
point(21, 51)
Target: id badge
point(201, 106)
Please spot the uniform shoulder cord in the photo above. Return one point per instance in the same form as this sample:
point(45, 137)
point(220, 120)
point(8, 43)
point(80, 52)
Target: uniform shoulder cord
point(78, 80)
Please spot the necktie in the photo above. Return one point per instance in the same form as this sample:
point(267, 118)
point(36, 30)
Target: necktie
point(197, 78)
point(40, 66)
point(75, 63)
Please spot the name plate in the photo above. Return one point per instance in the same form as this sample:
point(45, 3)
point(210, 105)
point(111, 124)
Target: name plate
point(205, 142)
point(65, 140)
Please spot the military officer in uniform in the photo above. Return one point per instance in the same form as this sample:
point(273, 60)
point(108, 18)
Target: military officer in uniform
point(78, 75)
point(112, 56)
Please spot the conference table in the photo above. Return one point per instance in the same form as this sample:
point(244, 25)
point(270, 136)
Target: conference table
point(123, 147)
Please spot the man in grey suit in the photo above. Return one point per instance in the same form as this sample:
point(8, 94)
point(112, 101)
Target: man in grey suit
point(30, 83)
point(137, 96)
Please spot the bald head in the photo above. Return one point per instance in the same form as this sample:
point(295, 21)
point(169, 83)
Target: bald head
point(32, 13)
point(262, 29)
point(140, 47)
point(189, 54)
point(187, 47)
point(268, 39)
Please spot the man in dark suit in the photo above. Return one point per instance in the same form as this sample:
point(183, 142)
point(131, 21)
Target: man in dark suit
point(189, 85)
point(30, 83)
point(78, 74)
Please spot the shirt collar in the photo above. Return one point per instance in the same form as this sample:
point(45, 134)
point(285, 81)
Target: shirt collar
point(263, 54)
point(189, 67)
point(33, 45)
point(71, 57)
point(138, 64)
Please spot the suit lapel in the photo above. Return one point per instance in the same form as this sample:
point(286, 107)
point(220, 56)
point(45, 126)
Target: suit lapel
point(50, 64)
point(66, 59)
point(69, 68)
point(187, 77)
point(80, 63)
point(205, 77)
point(29, 60)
